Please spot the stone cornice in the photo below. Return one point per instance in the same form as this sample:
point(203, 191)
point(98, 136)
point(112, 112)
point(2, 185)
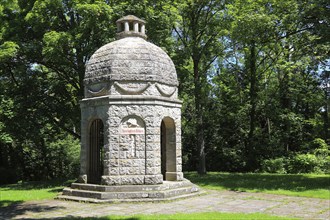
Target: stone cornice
point(130, 100)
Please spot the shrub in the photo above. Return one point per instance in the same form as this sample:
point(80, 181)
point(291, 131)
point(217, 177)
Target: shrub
point(326, 165)
point(319, 143)
point(323, 156)
point(304, 163)
point(276, 165)
point(64, 157)
point(316, 162)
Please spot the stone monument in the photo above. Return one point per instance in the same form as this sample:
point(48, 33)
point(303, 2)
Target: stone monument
point(130, 123)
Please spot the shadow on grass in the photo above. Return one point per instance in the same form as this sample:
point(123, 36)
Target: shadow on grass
point(38, 184)
point(91, 218)
point(13, 209)
point(101, 218)
point(16, 209)
point(261, 182)
point(4, 203)
point(56, 190)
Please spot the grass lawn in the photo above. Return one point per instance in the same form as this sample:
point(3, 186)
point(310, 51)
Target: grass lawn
point(306, 185)
point(27, 191)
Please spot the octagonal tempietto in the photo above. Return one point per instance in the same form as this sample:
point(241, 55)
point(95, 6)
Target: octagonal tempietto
point(131, 114)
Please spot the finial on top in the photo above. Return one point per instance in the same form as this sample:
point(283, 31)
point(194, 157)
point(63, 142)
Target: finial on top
point(131, 26)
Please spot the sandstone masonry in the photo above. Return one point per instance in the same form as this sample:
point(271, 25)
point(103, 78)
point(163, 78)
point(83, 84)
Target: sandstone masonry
point(131, 114)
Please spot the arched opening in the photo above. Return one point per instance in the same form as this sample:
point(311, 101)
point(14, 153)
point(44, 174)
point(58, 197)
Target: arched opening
point(168, 149)
point(163, 148)
point(95, 159)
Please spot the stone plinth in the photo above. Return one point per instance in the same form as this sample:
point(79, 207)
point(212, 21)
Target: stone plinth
point(168, 190)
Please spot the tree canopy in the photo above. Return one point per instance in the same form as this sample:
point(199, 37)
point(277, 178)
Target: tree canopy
point(254, 78)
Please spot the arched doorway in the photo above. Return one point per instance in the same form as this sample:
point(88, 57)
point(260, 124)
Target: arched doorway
point(96, 140)
point(163, 149)
point(168, 148)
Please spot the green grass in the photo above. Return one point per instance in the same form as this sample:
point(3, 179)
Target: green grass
point(27, 191)
point(192, 216)
point(306, 185)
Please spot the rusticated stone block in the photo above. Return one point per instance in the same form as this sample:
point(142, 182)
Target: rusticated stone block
point(138, 163)
point(152, 170)
point(132, 180)
point(114, 171)
point(110, 180)
point(153, 163)
point(153, 179)
point(153, 146)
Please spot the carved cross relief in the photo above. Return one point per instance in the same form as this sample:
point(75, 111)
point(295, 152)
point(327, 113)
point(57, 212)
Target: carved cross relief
point(132, 130)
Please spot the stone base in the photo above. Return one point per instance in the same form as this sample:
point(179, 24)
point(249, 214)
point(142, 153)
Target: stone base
point(169, 190)
point(132, 180)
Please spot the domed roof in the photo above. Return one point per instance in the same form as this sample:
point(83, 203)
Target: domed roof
point(129, 59)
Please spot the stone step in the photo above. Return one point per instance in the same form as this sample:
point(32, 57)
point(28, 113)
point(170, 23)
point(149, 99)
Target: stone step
point(93, 200)
point(130, 195)
point(169, 190)
point(82, 193)
point(132, 188)
point(180, 191)
point(151, 194)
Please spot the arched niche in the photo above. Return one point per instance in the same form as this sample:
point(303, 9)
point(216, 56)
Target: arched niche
point(168, 149)
point(95, 151)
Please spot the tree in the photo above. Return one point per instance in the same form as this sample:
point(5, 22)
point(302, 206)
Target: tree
point(253, 76)
point(45, 45)
point(198, 34)
point(267, 52)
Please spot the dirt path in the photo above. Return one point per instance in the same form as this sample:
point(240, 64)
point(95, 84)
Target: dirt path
point(213, 201)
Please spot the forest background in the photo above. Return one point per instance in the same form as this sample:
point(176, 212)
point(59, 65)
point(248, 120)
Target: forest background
point(254, 80)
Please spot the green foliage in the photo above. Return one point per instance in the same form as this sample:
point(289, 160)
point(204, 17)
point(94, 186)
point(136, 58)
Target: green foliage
point(197, 34)
point(64, 157)
point(299, 163)
point(256, 19)
point(56, 43)
point(315, 162)
point(253, 76)
point(303, 163)
point(6, 106)
point(319, 145)
point(277, 165)
point(8, 50)
point(51, 158)
point(266, 97)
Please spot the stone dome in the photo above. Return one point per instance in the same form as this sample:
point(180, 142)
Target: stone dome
point(130, 59)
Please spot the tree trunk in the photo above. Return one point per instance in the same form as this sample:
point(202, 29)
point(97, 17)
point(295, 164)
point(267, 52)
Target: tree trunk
point(285, 102)
point(251, 151)
point(199, 118)
point(326, 117)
